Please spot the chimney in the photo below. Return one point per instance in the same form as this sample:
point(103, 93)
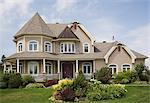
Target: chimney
point(75, 25)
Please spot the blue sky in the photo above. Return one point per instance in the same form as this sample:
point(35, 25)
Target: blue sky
point(127, 20)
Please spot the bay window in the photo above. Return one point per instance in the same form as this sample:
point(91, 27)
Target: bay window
point(48, 47)
point(33, 45)
point(67, 47)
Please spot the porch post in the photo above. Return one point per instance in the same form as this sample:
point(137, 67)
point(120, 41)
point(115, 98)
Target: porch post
point(77, 71)
point(44, 70)
point(4, 67)
point(58, 67)
point(11, 68)
point(17, 65)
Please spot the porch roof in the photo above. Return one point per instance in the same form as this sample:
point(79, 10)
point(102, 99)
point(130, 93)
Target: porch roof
point(41, 55)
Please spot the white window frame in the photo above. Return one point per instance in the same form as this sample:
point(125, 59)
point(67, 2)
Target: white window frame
point(84, 47)
point(19, 47)
point(33, 48)
point(85, 64)
point(30, 63)
point(21, 67)
point(126, 67)
point(62, 47)
point(112, 68)
point(49, 47)
point(49, 64)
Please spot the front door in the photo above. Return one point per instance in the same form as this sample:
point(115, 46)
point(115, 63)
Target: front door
point(67, 69)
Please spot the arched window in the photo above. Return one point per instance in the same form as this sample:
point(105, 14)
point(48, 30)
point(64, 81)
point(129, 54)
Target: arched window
point(126, 67)
point(48, 47)
point(33, 45)
point(20, 47)
point(33, 68)
point(114, 68)
point(86, 48)
point(86, 68)
point(48, 67)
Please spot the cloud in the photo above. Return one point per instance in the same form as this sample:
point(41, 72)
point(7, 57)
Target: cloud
point(104, 28)
point(62, 5)
point(139, 40)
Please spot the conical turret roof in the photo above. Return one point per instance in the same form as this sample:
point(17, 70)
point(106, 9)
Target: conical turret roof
point(35, 25)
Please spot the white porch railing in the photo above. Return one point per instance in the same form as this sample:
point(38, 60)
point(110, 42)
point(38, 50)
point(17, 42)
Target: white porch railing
point(43, 77)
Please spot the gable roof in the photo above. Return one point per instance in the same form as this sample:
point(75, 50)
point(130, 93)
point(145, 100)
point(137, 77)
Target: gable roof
point(35, 25)
point(57, 28)
point(67, 33)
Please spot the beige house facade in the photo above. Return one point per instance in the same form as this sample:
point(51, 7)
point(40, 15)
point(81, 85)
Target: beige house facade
point(56, 51)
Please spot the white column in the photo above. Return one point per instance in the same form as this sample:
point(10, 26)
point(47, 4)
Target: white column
point(58, 66)
point(11, 68)
point(4, 67)
point(44, 69)
point(17, 65)
point(77, 70)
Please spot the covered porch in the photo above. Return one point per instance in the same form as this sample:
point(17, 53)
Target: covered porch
point(42, 69)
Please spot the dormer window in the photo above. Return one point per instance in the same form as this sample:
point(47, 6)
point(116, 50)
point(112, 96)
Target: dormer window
point(67, 47)
point(48, 47)
point(86, 48)
point(33, 45)
point(20, 47)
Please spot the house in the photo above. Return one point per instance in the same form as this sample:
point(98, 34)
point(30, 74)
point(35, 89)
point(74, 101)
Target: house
point(56, 51)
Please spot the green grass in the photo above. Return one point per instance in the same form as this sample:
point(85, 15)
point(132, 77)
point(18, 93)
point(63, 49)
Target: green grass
point(137, 94)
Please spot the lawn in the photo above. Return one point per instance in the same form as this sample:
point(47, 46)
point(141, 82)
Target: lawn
point(135, 94)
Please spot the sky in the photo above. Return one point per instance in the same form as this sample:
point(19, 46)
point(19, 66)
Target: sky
point(127, 20)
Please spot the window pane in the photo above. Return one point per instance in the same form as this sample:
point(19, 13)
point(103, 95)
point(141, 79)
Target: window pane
point(69, 47)
point(35, 46)
point(65, 47)
point(30, 46)
point(115, 70)
point(124, 69)
point(61, 47)
point(88, 69)
point(84, 69)
point(35, 70)
point(128, 68)
point(73, 47)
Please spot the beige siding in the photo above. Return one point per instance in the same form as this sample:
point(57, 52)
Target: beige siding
point(83, 39)
point(119, 58)
point(99, 64)
point(139, 61)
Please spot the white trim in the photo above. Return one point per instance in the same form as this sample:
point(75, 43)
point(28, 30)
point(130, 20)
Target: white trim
point(77, 67)
point(33, 62)
point(41, 43)
point(130, 53)
point(83, 46)
point(67, 44)
point(106, 57)
point(126, 64)
point(22, 46)
point(50, 47)
point(17, 65)
point(37, 45)
point(44, 70)
point(113, 68)
point(58, 69)
point(90, 64)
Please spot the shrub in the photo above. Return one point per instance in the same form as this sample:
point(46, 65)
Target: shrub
point(123, 77)
point(14, 81)
point(50, 82)
point(26, 79)
point(97, 91)
point(35, 85)
point(2, 83)
point(103, 75)
point(80, 85)
point(62, 84)
point(68, 94)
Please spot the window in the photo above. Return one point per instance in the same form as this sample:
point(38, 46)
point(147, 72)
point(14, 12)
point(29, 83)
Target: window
point(86, 48)
point(20, 47)
point(113, 68)
point(21, 68)
point(48, 47)
point(48, 67)
point(86, 68)
point(126, 67)
point(33, 45)
point(33, 68)
point(67, 47)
